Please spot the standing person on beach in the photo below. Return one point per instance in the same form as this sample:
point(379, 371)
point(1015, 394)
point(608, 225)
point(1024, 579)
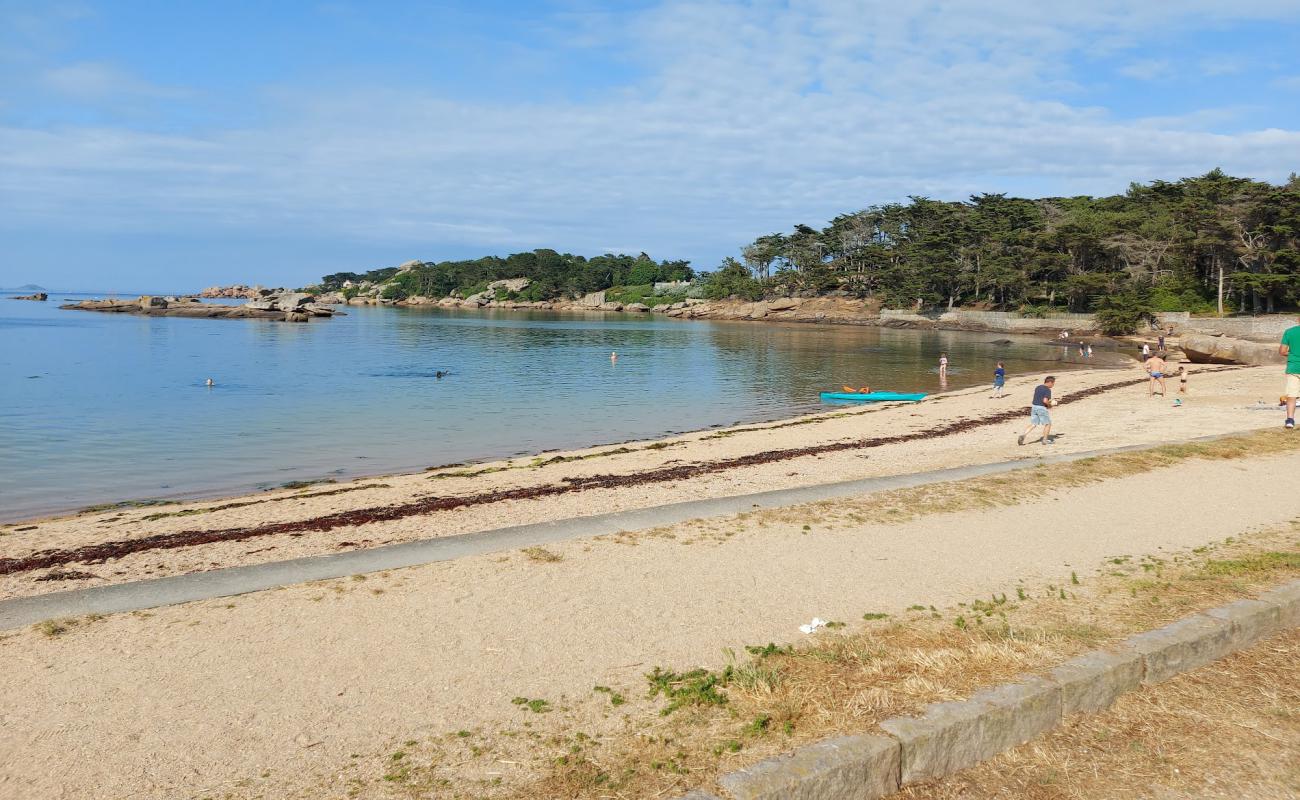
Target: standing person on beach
point(1291, 349)
point(1038, 411)
point(1160, 346)
point(1182, 379)
point(1146, 351)
point(943, 366)
point(1156, 369)
point(999, 380)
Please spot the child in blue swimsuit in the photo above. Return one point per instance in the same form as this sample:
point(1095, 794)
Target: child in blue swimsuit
point(999, 379)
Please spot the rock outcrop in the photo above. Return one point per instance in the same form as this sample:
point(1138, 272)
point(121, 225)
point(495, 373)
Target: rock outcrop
point(284, 306)
point(234, 291)
point(489, 295)
point(39, 296)
point(1203, 349)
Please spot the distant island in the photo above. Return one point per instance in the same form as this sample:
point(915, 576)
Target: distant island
point(1208, 244)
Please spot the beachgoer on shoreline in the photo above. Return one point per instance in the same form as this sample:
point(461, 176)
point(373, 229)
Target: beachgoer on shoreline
point(1038, 414)
point(1156, 367)
point(1291, 350)
point(1182, 379)
point(943, 366)
point(999, 380)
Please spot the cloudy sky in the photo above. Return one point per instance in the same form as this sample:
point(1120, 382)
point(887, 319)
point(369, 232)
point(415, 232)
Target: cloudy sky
point(157, 145)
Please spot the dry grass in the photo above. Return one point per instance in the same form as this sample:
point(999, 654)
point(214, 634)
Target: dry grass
point(903, 505)
point(1230, 729)
point(772, 698)
point(542, 554)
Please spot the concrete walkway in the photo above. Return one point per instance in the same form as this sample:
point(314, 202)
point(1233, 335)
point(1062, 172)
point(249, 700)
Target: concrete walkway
point(138, 595)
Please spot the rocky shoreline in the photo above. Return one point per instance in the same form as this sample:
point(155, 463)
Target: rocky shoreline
point(1202, 342)
point(282, 307)
point(826, 310)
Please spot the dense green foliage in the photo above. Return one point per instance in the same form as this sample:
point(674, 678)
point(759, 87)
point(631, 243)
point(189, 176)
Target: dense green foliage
point(1126, 311)
point(1181, 241)
point(552, 274)
point(1212, 243)
point(733, 279)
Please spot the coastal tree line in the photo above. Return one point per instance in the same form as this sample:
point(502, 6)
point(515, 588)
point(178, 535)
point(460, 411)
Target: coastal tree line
point(1210, 243)
point(1205, 244)
point(551, 274)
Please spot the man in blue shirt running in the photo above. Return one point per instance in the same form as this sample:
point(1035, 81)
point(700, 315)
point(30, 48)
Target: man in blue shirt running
point(1038, 411)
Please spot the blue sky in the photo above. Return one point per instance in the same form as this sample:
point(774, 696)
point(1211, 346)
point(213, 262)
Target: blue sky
point(167, 146)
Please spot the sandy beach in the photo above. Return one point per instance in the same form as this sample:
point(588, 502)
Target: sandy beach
point(965, 427)
point(283, 693)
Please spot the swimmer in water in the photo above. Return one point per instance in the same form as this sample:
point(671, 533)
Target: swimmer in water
point(439, 374)
point(209, 383)
point(613, 357)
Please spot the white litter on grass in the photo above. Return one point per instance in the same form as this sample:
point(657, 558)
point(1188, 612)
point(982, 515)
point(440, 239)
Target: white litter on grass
point(817, 622)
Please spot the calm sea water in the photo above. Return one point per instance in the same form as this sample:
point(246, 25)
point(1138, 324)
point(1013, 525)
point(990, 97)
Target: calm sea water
point(100, 407)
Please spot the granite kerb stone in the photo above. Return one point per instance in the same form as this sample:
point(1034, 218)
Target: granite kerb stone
point(1189, 643)
point(1251, 620)
point(1093, 681)
point(952, 736)
point(844, 768)
point(1287, 599)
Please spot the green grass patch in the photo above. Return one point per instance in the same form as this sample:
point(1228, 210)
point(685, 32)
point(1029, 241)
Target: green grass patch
point(535, 705)
point(1251, 565)
point(698, 687)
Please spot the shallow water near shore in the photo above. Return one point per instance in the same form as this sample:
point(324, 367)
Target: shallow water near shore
point(99, 408)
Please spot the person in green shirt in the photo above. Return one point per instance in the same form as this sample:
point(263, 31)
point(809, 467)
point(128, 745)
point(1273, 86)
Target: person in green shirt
point(1291, 349)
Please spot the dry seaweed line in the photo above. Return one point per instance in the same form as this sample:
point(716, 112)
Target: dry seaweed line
point(98, 553)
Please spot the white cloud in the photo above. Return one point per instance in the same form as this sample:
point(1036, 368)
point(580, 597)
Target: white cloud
point(751, 118)
point(94, 82)
point(1147, 69)
point(1217, 66)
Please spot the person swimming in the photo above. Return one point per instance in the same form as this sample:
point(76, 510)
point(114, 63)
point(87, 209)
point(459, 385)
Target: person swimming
point(440, 374)
point(209, 383)
point(613, 356)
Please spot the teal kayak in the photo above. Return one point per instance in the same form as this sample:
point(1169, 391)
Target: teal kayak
point(874, 397)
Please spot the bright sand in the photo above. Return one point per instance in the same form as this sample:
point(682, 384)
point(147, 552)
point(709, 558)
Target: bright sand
point(1217, 404)
point(205, 698)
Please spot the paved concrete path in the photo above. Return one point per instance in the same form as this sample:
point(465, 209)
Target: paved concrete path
point(137, 595)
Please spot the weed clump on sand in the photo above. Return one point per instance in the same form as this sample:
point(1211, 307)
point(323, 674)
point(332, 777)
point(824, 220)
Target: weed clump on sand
point(542, 554)
point(698, 687)
point(55, 627)
point(769, 649)
point(615, 699)
point(535, 705)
